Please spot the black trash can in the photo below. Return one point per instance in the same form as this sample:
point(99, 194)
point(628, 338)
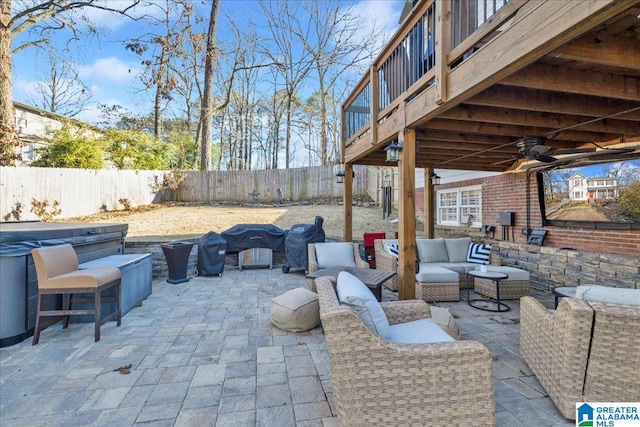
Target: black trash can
point(295, 244)
point(212, 249)
point(177, 255)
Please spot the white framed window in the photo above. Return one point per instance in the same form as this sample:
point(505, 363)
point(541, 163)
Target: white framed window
point(460, 206)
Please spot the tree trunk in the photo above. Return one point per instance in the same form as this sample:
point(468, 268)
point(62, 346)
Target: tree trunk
point(8, 137)
point(207, 101)
point(287, 142)
point(157, 106)
point(324, 158)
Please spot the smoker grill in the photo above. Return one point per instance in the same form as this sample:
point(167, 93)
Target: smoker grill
point(212, 249)
point(298, 237)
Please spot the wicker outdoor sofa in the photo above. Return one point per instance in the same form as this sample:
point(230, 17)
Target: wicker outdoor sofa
point(345, 254)
point(451, 253)
point(584, 351)
point(377, 382)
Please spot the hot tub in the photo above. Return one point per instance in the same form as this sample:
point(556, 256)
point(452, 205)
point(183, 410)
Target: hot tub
point(18, 281)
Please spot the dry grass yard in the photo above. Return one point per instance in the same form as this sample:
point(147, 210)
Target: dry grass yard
point(156, 222)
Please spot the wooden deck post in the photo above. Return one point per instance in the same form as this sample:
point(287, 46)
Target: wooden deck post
point(407, 215)
point(347, 206)
point(442, 48)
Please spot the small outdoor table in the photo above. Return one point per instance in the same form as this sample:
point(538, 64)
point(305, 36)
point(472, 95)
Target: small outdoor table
point(563, 291)
point(491, 275)
point(371, 277)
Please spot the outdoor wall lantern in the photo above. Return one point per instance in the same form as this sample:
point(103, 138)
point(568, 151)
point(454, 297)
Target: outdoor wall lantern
point(393, 151)
point(340, 176)
point(435, 179)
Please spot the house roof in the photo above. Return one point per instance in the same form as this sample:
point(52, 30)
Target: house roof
point(53, 116)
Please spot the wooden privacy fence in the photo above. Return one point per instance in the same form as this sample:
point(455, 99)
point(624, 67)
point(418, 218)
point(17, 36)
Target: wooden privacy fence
point(86, 191)
point(297, 184)
point(78, 191)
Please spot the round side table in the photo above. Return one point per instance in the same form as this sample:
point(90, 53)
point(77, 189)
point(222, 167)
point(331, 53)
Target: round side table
point(563, 291)
point(496, 277)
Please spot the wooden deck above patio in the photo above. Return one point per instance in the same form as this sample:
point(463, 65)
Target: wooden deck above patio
point(494, 85)
point(568, 71)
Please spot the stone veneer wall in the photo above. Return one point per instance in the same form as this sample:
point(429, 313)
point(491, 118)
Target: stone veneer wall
point(160, 268)
point(551, 267)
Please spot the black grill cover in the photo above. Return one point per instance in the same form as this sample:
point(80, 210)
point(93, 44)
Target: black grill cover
point(247, 236)
point(299, 236)
point(211, 254)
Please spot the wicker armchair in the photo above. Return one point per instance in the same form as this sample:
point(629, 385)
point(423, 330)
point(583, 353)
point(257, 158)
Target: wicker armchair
point(380, 383)
point(584, 352)
point(313, 261)
point(386, 261)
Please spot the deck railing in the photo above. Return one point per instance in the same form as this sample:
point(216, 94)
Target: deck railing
point(407, 65)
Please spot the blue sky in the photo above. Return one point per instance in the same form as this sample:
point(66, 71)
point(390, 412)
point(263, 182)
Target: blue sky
point(112, 74)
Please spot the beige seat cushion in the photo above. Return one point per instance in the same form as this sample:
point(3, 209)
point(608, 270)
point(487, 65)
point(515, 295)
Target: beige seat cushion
point(296, 310)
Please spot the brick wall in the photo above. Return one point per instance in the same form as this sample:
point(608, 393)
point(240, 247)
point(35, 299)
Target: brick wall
point(570, 256)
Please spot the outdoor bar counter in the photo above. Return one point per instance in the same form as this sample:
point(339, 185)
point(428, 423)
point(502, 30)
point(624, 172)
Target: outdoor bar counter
point(18, 281)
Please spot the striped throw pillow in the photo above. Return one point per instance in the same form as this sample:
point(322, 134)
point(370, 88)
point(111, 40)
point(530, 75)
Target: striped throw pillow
point(479, 253)
point(392, 248)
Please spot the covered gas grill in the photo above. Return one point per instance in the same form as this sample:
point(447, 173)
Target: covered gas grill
point(254, 243)
point(212, 249)
point(247, 236)
point(296, 242)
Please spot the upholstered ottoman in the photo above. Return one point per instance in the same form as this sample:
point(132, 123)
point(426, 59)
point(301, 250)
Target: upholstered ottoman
point(514, 287)
point(296, 310)
point(437, 284)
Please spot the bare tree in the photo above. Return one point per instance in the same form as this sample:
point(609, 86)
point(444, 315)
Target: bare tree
point(334, 48)
point(206, 111)
point(283, 49)
point(41, 18)
point(166, 49)
point(62, 91)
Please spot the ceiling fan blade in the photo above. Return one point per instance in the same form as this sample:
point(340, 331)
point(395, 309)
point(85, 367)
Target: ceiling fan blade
point(574, 150)
point(538, 150)
point(545, 158)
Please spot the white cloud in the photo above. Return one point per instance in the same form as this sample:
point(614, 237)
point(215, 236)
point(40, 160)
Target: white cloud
point(109, 69)
point(28, 89)
point(378, 15)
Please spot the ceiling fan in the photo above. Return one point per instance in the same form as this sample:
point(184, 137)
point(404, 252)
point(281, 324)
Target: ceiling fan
point(534, 148)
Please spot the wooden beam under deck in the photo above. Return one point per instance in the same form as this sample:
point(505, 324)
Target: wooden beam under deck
point(543, 120)
point(514, 131)
point(532, 99)
point(583, 82)
point(602, 49)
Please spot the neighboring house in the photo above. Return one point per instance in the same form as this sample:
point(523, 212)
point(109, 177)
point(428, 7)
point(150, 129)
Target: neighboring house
point(33, 124)
point(582, 189)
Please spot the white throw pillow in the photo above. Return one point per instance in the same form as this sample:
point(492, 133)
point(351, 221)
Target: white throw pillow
point(479, 253)
point(353, 292)
point(335, 254)
point(432, 250)
point(608, 295)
